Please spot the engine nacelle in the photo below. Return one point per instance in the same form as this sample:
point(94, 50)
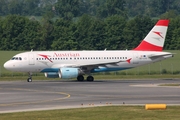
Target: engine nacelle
point(65, 73)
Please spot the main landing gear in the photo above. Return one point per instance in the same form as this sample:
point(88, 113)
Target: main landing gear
point(81, 78)
point(30, 77)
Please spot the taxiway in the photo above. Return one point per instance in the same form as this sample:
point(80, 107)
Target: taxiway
point(21, 96)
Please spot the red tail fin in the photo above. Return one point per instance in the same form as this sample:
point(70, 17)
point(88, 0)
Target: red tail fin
point(154, 41)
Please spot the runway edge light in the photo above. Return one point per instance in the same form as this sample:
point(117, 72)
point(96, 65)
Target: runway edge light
point(155, 106)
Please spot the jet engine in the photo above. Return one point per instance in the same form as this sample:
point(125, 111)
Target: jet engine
point(65, 73)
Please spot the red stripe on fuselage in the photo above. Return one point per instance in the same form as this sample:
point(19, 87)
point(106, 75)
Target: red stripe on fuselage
point(145, 46)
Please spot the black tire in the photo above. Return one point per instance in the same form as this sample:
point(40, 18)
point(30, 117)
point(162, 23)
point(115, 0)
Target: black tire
point(80, 78)
point(90, 78)
point(29, 80)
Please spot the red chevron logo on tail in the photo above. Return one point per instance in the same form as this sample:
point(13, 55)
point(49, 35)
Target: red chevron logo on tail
point(158, 33)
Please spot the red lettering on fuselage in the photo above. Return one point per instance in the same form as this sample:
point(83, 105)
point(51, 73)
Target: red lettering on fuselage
point(66, 55)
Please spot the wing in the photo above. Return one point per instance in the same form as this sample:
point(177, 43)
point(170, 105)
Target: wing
point(90, 66)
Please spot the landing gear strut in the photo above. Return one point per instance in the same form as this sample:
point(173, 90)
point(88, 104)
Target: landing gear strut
point(30, 77)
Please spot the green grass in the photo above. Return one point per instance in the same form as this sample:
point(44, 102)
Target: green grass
point(98, 113)
point(170, 67)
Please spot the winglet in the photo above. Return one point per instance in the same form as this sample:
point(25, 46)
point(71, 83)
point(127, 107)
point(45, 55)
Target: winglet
point(154, 41)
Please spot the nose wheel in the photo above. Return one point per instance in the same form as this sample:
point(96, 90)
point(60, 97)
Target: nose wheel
point(29, 80)
point(30, 77)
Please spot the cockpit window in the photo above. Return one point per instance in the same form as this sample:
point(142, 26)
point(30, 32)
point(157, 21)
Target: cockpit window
point(16, 58)
point(13, 58)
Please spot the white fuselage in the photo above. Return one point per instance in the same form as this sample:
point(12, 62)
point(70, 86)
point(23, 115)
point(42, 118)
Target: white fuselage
point(94, 61)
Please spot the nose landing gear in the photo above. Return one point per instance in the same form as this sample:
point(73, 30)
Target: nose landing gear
point(30, 77)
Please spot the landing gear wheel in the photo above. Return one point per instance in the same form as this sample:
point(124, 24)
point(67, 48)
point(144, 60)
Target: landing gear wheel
point(29, 80)
point(90, 78)
point(80, 78)
point(30, 77)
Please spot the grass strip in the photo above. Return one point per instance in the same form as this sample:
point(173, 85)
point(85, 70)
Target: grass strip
point(98, 113)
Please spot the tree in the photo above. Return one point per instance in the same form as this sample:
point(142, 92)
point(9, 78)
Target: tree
point(63, 38)
point(19, 33)
point(114, 29)
point(68, 9)
point(173, 35)
point(82, 32)
point(112, 7)
point(136, 7)
point(158, 7)
point(135, 30)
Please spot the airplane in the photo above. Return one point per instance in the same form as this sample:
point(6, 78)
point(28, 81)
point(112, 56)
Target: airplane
point(75, 64)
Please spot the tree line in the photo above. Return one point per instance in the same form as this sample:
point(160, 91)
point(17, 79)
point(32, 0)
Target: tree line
point(84, 24)
point(87, 33)
point(98, 8)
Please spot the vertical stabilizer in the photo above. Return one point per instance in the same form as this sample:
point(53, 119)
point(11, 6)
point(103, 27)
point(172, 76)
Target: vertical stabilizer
point(154, 41)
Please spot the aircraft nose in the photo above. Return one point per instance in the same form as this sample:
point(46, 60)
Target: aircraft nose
point(7, 65)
